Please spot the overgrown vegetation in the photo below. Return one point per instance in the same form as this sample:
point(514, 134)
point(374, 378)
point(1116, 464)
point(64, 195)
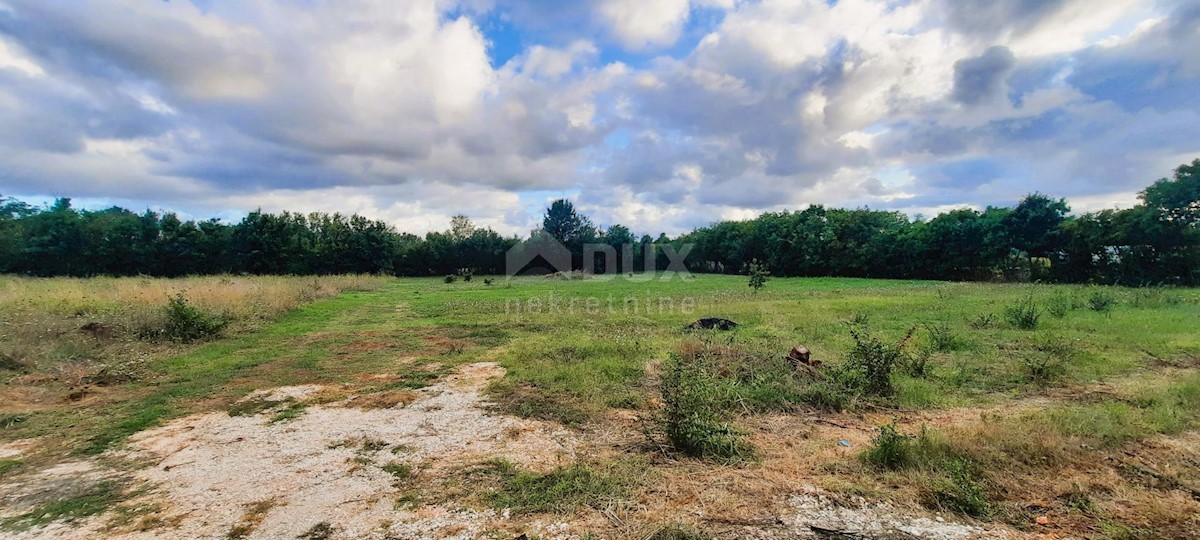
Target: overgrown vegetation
point(1024, 314)
point(561, 490)
point(694, 417)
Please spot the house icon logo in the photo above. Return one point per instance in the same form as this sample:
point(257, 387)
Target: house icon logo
point(540, 254)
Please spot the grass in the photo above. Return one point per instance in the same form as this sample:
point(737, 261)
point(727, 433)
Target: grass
point(91, 501)
point(575, 350)
point(559, 491)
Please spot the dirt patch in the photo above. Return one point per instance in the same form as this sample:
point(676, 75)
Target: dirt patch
point(819, 516)
point(325, 465)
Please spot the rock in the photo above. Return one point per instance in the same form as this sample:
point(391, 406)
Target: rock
point(712, 323)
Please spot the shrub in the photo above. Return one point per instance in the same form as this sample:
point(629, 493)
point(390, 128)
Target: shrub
point(450, 278)
point(960, 490)
point(488, 281)
point(466, 273)
point(893, 450)
point(1058, 305)
point(1023, 315)
point(917, 364)
point(942, 338)
point(1101, 300)
point(982, 321)
point(185, 323)
point(871, 361)
point(758, 274)
point(692, 420)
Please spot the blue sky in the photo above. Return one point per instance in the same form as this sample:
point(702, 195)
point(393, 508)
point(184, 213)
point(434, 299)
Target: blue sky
point(662, 115)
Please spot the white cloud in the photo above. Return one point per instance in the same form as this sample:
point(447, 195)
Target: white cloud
point(638, 24)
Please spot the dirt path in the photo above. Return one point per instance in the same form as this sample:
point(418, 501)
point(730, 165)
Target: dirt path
point(332, 472)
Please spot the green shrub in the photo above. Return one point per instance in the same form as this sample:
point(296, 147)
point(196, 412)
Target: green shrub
point(1058, 305)
point(893, 450)
point(1101, 300)
point(942, 337)
point(1023, 315)
point(758, 274)
point(185, 323)
point(871, 361)
point(959, 490)
point(488, 281)
point(982, 321)
point(692, 419)
point(450, 278)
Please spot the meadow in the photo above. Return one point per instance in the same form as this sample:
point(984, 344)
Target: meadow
point(1057, 409)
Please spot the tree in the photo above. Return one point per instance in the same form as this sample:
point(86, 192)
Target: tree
point(564, 224)
point(461, 227)
point(758, 275)
point(1177, 199)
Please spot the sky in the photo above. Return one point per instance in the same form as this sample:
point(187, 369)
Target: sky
point(661, 115)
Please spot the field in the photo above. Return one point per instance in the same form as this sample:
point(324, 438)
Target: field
point(370, 407)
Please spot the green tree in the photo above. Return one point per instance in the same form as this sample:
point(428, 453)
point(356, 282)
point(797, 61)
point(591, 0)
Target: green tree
point(566, 225)
point(1177, 198)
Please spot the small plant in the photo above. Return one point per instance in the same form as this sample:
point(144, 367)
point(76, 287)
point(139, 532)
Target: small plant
point(1058, 305)
point(561, 490)
point(466, 273)
point(942, 338)
point(1023, 315)
point(488, 281)
point(917, 364)
point(691, 420)
point(871, 361)
point(859, 318)
point(960, 490)
point(320, 531)
point(890, 449)
point(185, 323)
point(758, 275)
point(291, 411)
point(401, 471)
point(450, 278)
point(1101, 300)
point(982, 321)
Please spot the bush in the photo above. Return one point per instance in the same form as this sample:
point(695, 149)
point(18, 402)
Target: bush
point(1059, 305)
point(942, 338)
point(1101, 300)
point(960, 491)
point(871, 361)
point(893, 450)
point(1023, 315)
point(982, 321)
point(450, 278)
point(466, 273)
point(488, 281)
point(692, 420)
point(185, 323)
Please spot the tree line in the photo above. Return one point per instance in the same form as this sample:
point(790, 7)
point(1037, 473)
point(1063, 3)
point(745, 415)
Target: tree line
point(1155, 242)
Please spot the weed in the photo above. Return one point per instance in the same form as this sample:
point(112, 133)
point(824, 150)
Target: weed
point(859, 318)
point(1059, 305)
point(917, 363)
point(959, 490)
point(9, 362)
point(561, 490)
point(9, 420)
point(320, 531)
point(92, 501)
point(185, 323)
point(254, 405)
point(7, 465)
point(893, 450)
point(871, 361)
point(290, 411)
point(692, 421)
point(488, 281)
point(942, 337)
point(678, 532)
point(407, 499)
point(255, 513)
point(1101, 300)
point(1023, 315)
point(372, 445)
point(450, 278)
point(400, 471)
point(982, 321)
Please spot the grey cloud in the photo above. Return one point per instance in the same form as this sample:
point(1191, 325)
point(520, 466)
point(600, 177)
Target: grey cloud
point(980, 78)
point(988, 19)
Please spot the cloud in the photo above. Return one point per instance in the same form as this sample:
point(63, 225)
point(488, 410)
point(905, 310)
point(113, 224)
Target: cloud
point(659, 115)
point(981, 78)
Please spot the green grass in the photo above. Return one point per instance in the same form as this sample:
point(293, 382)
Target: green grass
point(93, 500)
point(9, 465)
point(574, 349)
point(559, 491)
